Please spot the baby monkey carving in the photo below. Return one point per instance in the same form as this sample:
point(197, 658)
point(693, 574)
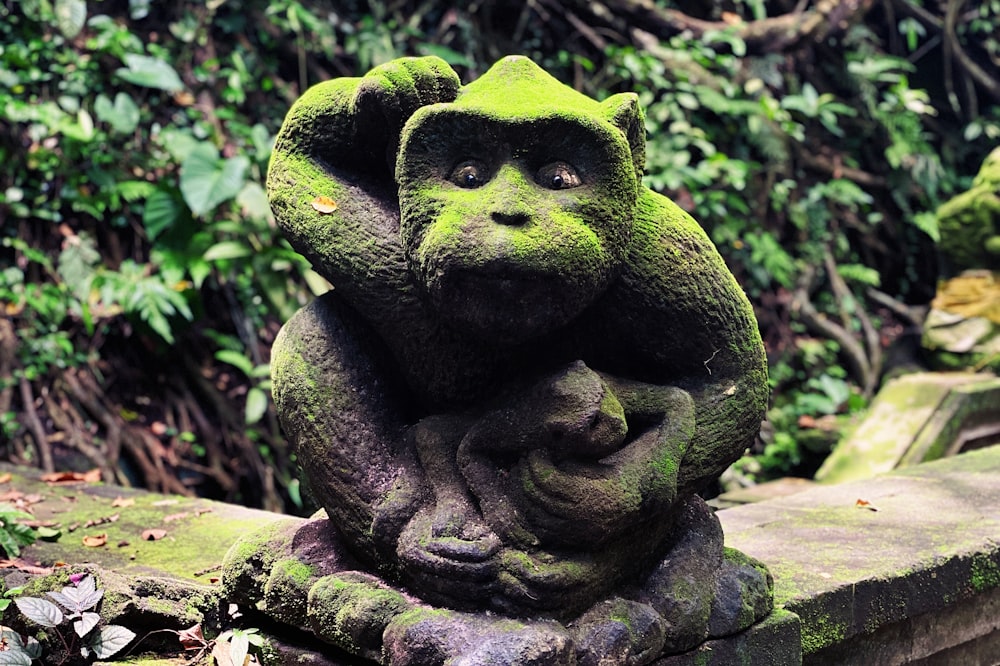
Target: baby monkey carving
point(527, 367)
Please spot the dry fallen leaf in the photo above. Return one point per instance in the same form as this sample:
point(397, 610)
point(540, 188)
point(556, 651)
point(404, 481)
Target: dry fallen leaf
point(324, 205)
point(175, 516)
point(94, 522)
point(220, 653)
point(865, 504)
point(91, 476)
point(4, 478)
point(192, 638)
point(166, 502)
point(95, 541)
point(121, 502)
point(39, 523)
point(153, 534)
point(18, 563)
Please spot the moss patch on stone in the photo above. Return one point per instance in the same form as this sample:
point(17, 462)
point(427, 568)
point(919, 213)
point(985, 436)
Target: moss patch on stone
point(848, 570)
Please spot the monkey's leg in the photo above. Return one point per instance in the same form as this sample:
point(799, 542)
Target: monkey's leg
point(343, 412)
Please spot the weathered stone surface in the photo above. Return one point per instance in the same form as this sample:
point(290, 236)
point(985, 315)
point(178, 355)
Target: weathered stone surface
point(917, 418)
point(923, 541)
point(198, 532)
point(774, 642)
point(762, 491)
point(527, 368)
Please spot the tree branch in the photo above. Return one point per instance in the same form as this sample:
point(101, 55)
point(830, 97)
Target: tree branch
point(768, 35)
point(856, 358)
point(35, 425)
point(989, 83)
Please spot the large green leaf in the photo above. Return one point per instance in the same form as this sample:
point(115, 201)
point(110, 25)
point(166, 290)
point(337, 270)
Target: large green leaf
point(40, 611)
point(207, 181)
point(122, 115)
point(150, 72)
point(70, 17)
point(110, 640)
point(161, 211)
point(227, 250)
point(77, 264)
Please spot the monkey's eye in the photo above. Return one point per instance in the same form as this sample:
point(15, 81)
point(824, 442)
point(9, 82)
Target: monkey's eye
point(558, 176)
point(469, 174)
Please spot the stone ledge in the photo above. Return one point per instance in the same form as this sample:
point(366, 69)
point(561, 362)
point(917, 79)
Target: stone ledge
point(776, 641)
point(926, 544)
point(918, 418)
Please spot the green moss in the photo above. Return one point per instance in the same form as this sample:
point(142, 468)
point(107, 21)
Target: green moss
point(352, 611)
point(296, 571)
point(985, 574)
point(821, 631)
point(970, 222)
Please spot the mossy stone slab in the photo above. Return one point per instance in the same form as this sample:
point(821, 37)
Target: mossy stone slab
point(855, 558)
point(198, 532)
point(913, 419)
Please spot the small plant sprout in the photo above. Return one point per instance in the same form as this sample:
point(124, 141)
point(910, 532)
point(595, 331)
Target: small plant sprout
point(13, 534)
point(232, 647)
point(77, 602)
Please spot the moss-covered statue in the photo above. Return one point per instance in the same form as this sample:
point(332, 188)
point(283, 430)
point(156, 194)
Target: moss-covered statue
point(527, 367)
point(962, 328)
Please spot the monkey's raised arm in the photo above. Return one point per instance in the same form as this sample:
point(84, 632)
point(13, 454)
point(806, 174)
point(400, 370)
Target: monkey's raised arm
point(339, 141)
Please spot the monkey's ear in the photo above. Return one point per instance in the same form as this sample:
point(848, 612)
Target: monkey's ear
point(624, 113)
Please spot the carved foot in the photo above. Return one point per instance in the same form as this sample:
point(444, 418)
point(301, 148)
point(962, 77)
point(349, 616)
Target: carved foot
point(432, 637)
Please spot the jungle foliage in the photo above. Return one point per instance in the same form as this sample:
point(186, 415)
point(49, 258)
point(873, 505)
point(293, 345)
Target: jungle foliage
point(142, 278)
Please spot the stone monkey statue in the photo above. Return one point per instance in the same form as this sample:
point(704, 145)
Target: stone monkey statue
point(528, 365)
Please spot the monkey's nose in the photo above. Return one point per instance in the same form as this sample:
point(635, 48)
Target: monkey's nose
point(510, 218)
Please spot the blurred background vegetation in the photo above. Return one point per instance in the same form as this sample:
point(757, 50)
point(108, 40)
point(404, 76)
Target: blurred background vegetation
point(142, 279)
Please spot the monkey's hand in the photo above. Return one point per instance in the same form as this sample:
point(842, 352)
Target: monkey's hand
point(579, 500)
point(389, 94)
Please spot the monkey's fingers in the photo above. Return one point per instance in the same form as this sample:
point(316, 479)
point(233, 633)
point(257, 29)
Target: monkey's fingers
point(393, 91)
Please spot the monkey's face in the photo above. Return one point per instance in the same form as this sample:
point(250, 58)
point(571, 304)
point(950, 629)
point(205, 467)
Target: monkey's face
point(512, 229)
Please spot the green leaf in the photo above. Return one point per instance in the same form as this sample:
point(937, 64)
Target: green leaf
point(179, 143)
point(134, 190)
point(14, 657)
point(256, 405)
point(252, 199)
point(450, 56)
point(123, 115)
point(161, 211)
point(227, 250)
point(70, 17)
point(206, 181)
point(48, 533)
point(9, 543)
point(86, 622)
point(110, 640)
point(77, 264)
point(263, 143)
point(150, 72)
point(40, 611)
point(78, 599)
point(927, 222)
point(860, 273)
point(238, 647)
point(235, 359)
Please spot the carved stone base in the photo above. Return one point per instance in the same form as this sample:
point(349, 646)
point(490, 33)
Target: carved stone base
point(300, 574)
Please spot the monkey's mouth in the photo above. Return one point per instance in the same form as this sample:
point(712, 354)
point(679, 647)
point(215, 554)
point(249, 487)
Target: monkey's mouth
point(503, 305)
